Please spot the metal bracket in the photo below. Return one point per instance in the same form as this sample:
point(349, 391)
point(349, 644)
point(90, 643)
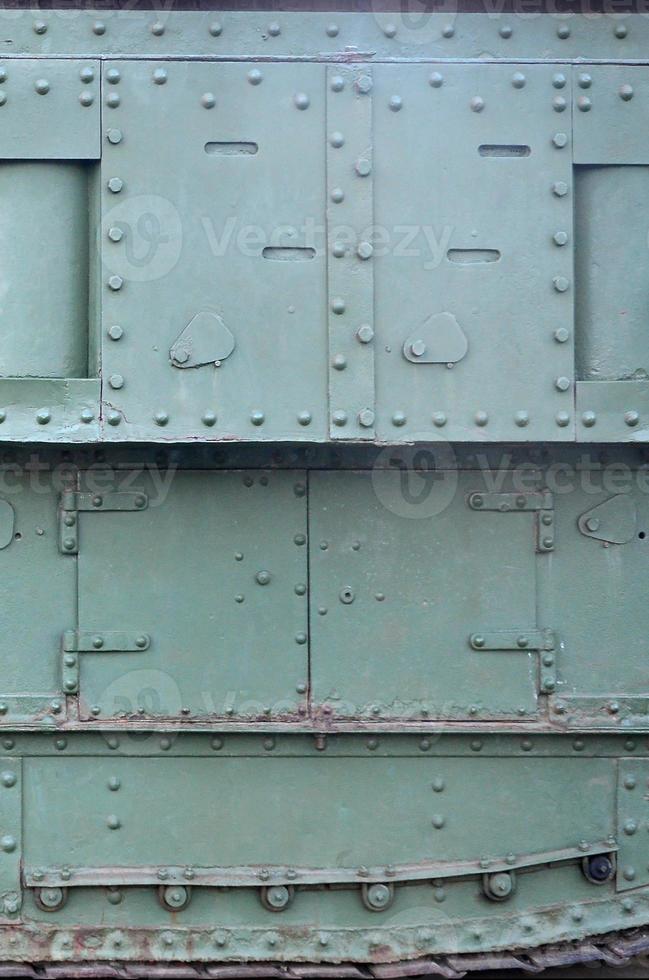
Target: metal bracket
point(94, 641)
point(539, 501)
point(75, 501)
point(541, 641)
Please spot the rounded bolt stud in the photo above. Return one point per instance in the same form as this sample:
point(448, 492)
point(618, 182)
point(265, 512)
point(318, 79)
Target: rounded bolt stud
point(262, 577)
point(396, 103)
point(116, 381)
point(208, 100)
point(499, 886)
point(160, 76)
point(560, 238)
point(377, 897)
point(302, 101)
point(276, 898)
point(257, 418)
point(339, 417)
point(174, 897)
point(42, 86)
point(518, 79)
point(560, 140)
point(626, 93)
point(589, 419)
point(631, 418)
point(43, 416)
point(436, 80)
point(559, 103)
point(112, 99)
point(161, 418)
point(477, 104)
point(584, 104)
point(113, 76)
point(50, 899)
point(561, 284)
point(114, 136)
point(255, 77)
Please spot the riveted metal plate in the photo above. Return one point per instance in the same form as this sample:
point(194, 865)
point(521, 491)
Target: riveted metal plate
point(350, 241)
point(632, 823)
point(379, 589)
point(50, 109)
point(225, 609)
point(49, 410)
point(613, 411)
point(243, 241)
point(494, 143)
point(10, 838)
point(610, 115)
point(259, 828)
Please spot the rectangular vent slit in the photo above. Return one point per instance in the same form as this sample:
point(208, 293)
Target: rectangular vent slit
point(472, 256)
point(231, 149)
point(504, 150)
point(288, 253)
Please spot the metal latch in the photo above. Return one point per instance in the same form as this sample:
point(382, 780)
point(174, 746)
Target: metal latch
point(541, 641)
point(96, 641)
point(74, 501)
point(539, 501)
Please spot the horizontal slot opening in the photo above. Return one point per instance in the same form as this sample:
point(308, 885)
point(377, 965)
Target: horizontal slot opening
point(288, 253)
point(504, 150)
point(231, 149)
point(473, 256)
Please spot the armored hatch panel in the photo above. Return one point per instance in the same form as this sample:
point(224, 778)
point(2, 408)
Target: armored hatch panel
point(324, 647)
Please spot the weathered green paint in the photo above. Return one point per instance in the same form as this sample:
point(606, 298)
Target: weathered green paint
point(276, 687)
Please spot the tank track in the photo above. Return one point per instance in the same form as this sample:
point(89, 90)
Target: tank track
point(615, 949)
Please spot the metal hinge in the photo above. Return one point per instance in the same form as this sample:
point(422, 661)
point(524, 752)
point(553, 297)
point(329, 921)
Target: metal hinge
point(541, 641)
point(94, 641)
point(539, 501)
point(74, 501)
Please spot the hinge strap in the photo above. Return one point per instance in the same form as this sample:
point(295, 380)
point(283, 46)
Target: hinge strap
point(95, 641)
point(74, 501)
point(541, 641)
point(541, 502)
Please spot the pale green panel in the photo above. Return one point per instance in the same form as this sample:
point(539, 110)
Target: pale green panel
point(50, 109)
point(214, 266)
point(611, 117)
point(38, 596)
point(403, 571)
point(214, 571)
point(632, 823)
point(225, 813)
point(10, 838)
point(470, 273)
point(613, 411)
point(44, 301)
point(49, 409)
point(384, 34)
point(596, 598)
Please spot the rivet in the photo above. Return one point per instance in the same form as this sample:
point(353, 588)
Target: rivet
point(3, 98)
point(42, 86)
point(8, 843)
point(563, 32)
point(339, 362)
point(209, 419)
point(337, 140)
point(366, 418)
point(257, 418)
point(215, 28)
point(631, 418)
point(85, 75)
point(562, 384)
point(481, 418)
point(390, 30)
point(506, 31)
point(626, 92)
point(559, 80)
point(160, 76)
point(560, 238)
point(302, 100)
point(584, 80)
point(208, 101)
point(448, 31)
point(339, 418)
point(161, 418)
point(113, 76)
point(115, 283)
point(561, 284)
point(629, 874)
point(99, 27)
point(40, 27)
point(559, 103)
point(589, 419)
point(332, 30)
point(584, 104)
point(113, 822)
point(521, 419)
point(157, 29)
point(115, 185)
point(337, 195)
point(364, 84)
point(87, 98)
point(274, 29)
point(114, 418)
point(114, 136)
point(8, 779)
point(396, 103)
point(436, 80)
point(398, 419)
point(560, 140)
point(255, 77)
point(439, 419)
point(477, 104)
point(621, 30)
point(338, 306)
point(363, 167)
point(365, 333)
point(518, 79)
point(304, 418)
point(262, 577)
point(337, 83)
